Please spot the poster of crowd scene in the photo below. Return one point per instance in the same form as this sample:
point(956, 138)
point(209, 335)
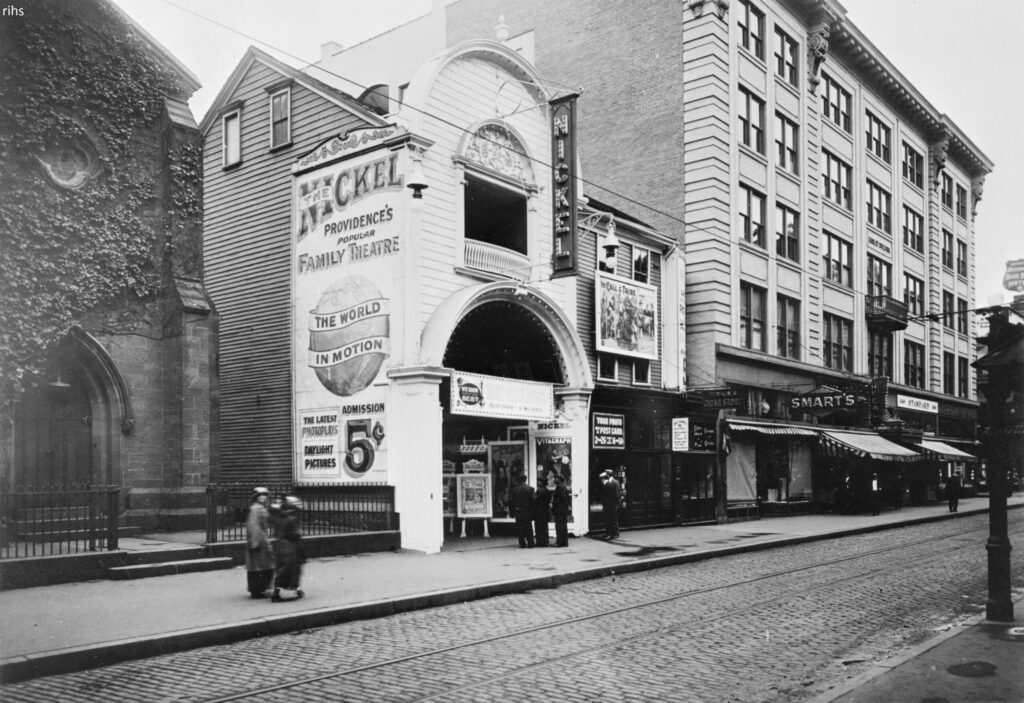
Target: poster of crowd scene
point(627, 317)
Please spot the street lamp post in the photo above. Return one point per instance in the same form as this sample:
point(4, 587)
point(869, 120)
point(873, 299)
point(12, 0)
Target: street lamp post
point(1004, 375)
point(999, 605)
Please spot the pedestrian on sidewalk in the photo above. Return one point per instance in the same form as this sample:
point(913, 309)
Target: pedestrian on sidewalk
point(289, 552)
point(611, 493)
point(521, 505)
point(560, 511)
point(953, 493)
point(541, 512)
point(876, 494)
point(259, 556)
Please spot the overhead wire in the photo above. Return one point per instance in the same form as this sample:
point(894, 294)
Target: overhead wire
point(688, 228)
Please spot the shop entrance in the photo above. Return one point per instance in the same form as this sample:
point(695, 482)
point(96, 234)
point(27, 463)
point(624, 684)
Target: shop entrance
point(506, 340)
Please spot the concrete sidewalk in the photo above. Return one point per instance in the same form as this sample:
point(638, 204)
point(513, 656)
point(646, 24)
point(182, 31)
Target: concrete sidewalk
point(70, 627)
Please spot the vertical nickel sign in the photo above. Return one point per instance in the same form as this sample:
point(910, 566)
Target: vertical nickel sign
point(563, 183)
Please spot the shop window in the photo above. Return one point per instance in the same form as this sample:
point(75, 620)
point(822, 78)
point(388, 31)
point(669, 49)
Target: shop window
point(495, 214)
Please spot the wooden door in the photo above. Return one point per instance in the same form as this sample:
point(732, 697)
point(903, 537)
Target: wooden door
point(53, 437)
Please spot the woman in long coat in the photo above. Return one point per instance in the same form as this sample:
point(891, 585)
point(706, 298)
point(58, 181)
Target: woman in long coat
point(289, 554)
point(259, 556)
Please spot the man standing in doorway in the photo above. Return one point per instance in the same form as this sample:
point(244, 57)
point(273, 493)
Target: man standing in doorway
point(611, 493)
point(521, 504)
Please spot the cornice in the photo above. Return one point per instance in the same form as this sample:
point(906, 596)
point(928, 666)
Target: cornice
point(832, 36)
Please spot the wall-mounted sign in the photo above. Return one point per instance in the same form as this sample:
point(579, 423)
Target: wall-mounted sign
point(680, 434)
point(563, 183)
point(823, 400)
point(725, 399)
point(347, 247)
point(919, 404)
point(1013, 279)
point(702, 436)
point(627, 317)
point(495, 396)
point(609, 431)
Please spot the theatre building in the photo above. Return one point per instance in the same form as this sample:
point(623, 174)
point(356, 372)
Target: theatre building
point(420, 294)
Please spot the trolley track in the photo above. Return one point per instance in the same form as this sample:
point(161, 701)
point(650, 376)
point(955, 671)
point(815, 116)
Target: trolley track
point(961, 540)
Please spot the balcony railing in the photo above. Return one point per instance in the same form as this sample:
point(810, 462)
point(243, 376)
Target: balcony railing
point(885, 313)
point(488, 257)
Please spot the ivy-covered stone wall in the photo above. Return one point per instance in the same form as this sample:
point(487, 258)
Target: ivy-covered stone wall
point(101, 228)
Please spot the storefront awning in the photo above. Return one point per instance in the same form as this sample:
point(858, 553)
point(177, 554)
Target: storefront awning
point(771, 428)
point(941, 450)
point(872, 446)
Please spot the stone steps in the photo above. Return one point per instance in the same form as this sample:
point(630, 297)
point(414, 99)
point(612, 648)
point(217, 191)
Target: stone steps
point(168, 568)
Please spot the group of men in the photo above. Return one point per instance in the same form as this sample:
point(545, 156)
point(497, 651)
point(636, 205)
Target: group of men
point(533, 508)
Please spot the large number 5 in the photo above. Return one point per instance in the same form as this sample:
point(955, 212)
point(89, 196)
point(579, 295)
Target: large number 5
point(360, 450)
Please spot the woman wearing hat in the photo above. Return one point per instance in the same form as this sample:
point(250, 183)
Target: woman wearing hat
point(289, 554)
point(259, 557)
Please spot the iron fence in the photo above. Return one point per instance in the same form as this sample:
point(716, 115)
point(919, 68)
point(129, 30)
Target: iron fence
point(52, 520)
point(326, 509)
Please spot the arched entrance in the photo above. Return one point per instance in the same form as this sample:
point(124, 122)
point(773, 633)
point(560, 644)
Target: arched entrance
point(516, 332)
point(67, 428)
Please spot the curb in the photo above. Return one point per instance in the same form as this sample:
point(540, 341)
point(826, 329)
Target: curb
point(886, 665)
point(63, 661)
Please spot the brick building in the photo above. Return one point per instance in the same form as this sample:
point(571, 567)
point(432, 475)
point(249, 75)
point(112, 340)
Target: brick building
point(824, 206)
point(126, 390)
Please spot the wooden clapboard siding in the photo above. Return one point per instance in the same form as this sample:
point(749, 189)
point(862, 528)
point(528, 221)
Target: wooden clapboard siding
point(463, 96)
point(247, 250)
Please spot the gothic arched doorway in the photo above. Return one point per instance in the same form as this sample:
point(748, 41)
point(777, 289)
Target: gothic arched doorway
point(67, 428)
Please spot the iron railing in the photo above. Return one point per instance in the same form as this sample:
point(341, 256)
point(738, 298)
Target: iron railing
point(326, 509)
point(52, 520)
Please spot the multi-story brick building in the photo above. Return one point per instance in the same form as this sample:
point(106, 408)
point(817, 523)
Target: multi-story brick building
point(825, 208)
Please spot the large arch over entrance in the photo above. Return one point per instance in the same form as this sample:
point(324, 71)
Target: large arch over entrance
point(67, 430)
point(574, 369)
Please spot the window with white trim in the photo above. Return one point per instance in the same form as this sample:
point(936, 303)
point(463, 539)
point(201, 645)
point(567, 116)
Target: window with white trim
point(752, 215)
point(837, 349)
point(913, 364)
point(835, 179)
point(280, 118)
point(787, 233)
point(752, 317)
point(879, 207)
point(835, 102)
point(231, 139)
point(786, 143)
point(786, 60)
point(751, 23)
point(751, 117)
point(879, 136)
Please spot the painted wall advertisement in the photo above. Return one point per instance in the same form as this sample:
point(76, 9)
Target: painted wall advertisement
point(627, 319)
point(347, 246)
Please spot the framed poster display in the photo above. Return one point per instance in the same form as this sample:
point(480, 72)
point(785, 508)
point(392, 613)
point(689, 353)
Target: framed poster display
point(504, 460)
point(627, 319)
point(474, 495)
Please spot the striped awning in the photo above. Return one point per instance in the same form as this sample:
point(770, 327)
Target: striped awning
point(770, 428)
point(941, 450)
point(867, 445)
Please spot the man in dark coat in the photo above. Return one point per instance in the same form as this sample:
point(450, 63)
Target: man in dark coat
point(953, 487)
point(611, 493)
point(521, 504)
point(560, 511)
point(541, 512)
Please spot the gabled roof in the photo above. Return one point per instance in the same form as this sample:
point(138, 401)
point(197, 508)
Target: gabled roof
point(254, 55)
point(162, 52)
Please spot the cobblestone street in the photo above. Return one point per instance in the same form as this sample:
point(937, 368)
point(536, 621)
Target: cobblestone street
point(782, 624)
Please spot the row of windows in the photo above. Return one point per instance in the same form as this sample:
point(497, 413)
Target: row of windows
point(785, 50)
point(280, 127)
point(836, 104)
point(787, 224)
